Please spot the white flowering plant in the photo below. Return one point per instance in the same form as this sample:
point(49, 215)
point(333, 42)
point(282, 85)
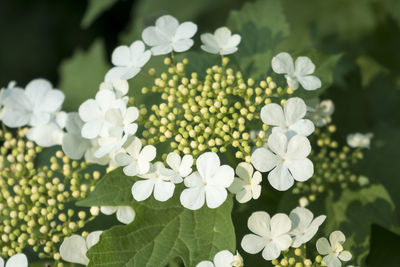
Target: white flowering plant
point(207, 149)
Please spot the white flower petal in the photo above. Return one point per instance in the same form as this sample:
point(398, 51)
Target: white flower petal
point(253, 244)
point(205, 264)
point(18, 260)
point(259, 223)
point(148, 153)
point(304, 66)
point(186, 30)
point(295, 109)
point(282, 242)
point(152, 37)
point(215, 196)
point(280, 224)
point(278, 142)
point(302, 127)
point(142, 190)
point(131, 169)
point(336, 237)
point(263, 159)
point(108, 210)
point(223, 259)
point(272, 114)
point(126, 214)
point(244, 170)
point(163, 190)
point(345, 256)
point(283, 63)
point(182, 45)
point(161, 49)
point(310, 82)
point(271, 252)
point(193, 198)
point(207, 164)
point(280, 178)
point(194, 180)
point(301, 170)
point(73, 249)
point(167, 25)
point(121, 56)
point(223, 177)
point(332, 261)
point(323, 246)
point(93, 238)
point(298, 148)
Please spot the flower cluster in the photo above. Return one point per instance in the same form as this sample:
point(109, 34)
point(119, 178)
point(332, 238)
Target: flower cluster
point(203, 119)
point(34, 199)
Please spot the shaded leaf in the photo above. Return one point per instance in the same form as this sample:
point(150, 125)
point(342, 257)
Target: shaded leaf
point(82, 74)
point(94, 9)
point(161, 232)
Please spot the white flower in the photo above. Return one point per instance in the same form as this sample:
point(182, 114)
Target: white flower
point(158, 178)
point(125, 214)
point(333, 249)
point(247, 185)
point(303, 226)
point(288, 120)
point(299, 72)
point(18, 260)
point(287, 160)
point(93, 112)
point(73, 249)
point(270, 234)
point(121, 120)
point(182, 166)
point(128, 61)
point(168, 35)
point(73, 144)
point(137, 159)
point(360, 140)
point(50, 133)
point(118, 86)
point(32, 106)
point(320, 112)
point(221, 42)
point(224, 258)
point(208, 184)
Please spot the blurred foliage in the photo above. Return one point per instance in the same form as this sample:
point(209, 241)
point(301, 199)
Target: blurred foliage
point(358, 39)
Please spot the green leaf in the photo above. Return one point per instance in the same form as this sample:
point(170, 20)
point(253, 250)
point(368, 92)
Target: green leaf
point(385, 246)
point(369, 69)
point(94, 9)
point(262, 26)
point(82, 74)
point(354, 212)
point(161, 232)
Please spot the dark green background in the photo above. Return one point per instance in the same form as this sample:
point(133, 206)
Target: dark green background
point(37, 36)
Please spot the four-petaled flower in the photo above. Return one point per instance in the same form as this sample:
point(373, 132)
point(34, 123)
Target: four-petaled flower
point(320, 112)
point(160, 179)
point(297, 72)
point(137, 159)
point(288, 120)
point(73, 249)
point(359, 140)
point(125, 214)
point(33, 106)
point(247, 185)
point(224, 258)
point(128, 61)
point(168, 35)
point(303, 226)
point(286, 158)
point(93, 112)
point(221, 42)
point(270, 234)
point(181, 166)
point(333, 249)
point(208, 184)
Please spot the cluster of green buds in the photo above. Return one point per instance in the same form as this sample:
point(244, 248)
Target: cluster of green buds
point(36, 202)
point(332, 165)
point(296, 257)
point(214, 113)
